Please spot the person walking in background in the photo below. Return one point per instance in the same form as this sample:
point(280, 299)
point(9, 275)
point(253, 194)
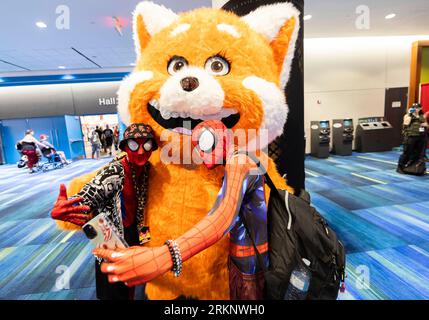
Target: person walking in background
point(414, 131)
point(99, 132)
point(116, 138)
point(100, 136)
point(108, 139)
point(426, 116)
point(94, 139)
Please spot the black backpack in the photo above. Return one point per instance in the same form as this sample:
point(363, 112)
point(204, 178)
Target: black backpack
point(418, 168)
point(296, 231)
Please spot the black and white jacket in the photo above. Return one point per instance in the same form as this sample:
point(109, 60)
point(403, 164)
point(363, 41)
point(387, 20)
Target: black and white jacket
point(103, 193)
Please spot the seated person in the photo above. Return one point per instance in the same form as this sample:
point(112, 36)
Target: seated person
point(46, 143)
point(29, 146)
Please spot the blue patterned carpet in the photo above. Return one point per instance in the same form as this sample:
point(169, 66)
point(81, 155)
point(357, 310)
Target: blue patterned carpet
point(381, 216)
point(33, 251)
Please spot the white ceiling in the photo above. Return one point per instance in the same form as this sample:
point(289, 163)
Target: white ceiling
point(336, 18)
point(91, 32)
point(27, 48)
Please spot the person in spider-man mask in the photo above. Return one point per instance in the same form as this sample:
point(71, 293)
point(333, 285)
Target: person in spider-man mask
point(240, 204)
point(118, 190)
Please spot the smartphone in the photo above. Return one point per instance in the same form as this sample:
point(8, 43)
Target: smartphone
point(103, 234)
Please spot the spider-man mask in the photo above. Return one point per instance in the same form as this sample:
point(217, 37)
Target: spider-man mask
point(211, 139)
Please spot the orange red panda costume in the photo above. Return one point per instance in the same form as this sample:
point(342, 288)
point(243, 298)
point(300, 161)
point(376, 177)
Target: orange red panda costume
point(203, 64)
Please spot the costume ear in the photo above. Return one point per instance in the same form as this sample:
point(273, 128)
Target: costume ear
point(148, 19)
point(279, 23)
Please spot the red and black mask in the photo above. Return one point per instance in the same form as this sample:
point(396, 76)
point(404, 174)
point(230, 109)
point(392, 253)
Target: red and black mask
point(139, 150)
point(212, 141)
point(138, 143)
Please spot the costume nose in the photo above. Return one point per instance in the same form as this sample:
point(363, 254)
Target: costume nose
point(189, 83)
point(140, 150)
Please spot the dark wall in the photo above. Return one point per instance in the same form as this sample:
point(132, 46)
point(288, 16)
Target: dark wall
point(289, 149)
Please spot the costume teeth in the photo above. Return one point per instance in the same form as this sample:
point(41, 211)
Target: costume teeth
point(166, 114)
point(154, 103)
point(195, 117)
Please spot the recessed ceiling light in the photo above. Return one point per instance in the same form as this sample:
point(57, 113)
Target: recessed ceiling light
point(41, 25)
point(390, 16)
point(61, 67)
point(132, 64)
point(307, 17)
point(68, 77)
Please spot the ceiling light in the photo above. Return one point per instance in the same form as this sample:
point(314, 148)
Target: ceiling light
point(132, 64)
point(61, 67)
point(41, 25)
point(68, 77)
point(1, 80)
point(390, 16)
point(307, 17)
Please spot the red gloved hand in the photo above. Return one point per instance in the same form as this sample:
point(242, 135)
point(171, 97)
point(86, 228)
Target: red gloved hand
point(66, 210)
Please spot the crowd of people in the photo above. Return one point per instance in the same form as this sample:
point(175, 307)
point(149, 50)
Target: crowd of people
point(103, 139)
point(32, 149)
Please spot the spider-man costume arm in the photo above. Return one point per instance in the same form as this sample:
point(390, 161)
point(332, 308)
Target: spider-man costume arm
point(138, 265)
point(93, 195)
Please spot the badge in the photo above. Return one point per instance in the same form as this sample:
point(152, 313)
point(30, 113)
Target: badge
point(144, 234)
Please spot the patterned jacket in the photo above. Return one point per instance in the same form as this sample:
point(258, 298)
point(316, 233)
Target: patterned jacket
point(103, 194)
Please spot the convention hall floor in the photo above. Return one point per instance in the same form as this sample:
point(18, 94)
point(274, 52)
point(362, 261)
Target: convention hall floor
point(381, 216)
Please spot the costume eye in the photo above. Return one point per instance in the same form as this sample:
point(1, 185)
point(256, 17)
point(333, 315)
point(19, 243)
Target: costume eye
point(132, 144)
point(217, 66)
point(207, 141)
point(176, 64)
point(148, 145)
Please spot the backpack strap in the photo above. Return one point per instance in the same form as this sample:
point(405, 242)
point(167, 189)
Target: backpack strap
point(289, 223)
point(275, 191)
point(268, 180)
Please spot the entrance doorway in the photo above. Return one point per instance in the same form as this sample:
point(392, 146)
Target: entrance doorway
point(394, 110)
point(103, 122)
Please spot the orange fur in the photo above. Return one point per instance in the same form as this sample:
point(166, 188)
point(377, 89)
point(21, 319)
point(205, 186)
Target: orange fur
point(197, 45)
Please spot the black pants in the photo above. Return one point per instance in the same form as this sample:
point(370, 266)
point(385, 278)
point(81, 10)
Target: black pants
point(413, 150)
point(116, 291)
point(426, 144)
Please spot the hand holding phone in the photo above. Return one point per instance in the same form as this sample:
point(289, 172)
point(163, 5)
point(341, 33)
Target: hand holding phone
point(103, 234)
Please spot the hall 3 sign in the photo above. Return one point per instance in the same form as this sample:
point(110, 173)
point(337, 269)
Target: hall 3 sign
point(107, 102)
